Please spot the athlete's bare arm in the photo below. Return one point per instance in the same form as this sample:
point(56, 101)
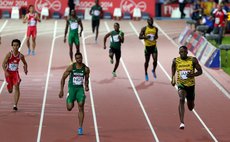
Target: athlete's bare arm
point(87, 71)
point(142, 34)
point(25, 18)
point(66, 29)
point(122, 38)
point(4, 63)
point(156, 35)
point(38, 18)
point(64, 76)
point(81, 26)
point(173, 69)
point(198, 68)
point(25, 67)
point(105, 39)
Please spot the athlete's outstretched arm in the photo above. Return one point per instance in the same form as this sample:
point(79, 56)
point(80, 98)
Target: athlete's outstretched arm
point(81, 26)
point(197, 66)
point(66, 30)
point(25, 67)
point(87, 71)
point(173, 69)
point(64, 76)
point(105, 39)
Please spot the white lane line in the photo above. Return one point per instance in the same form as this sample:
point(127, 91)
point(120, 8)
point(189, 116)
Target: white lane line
point(47, 84)
point(213, 80)
point(168, 76)
point(90, 90)
point(136, 94)
point(3, 26)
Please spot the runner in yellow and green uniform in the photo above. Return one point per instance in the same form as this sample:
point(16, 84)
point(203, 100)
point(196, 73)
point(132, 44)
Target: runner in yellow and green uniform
point(185, 67)
point(150, 34)
point(73, 23)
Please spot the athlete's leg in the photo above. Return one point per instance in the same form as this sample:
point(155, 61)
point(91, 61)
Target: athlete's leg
point(147, 58)
point(17, 94)
point(93, 26)
point(81, 113)
point(28, 44)
point(33, 45)
point(190, 104)
point(97, 29)
point(77, 48)
point(111, 54)
point(182, 94)
point(9, 84)
point(69, 106)
point(117, 56)
point(71, 51)
point(155, 55)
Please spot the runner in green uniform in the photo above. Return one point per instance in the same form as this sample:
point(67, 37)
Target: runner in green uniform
point(96, 13)
point(73, 22)
point(78, 72)
point(117, 37)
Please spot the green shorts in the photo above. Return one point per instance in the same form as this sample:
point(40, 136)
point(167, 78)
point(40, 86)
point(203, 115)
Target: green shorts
point(73, 38)
point(75, 93)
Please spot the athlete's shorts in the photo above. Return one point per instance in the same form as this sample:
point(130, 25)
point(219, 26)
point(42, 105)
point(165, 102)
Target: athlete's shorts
point(12, 79)
point(75, 93)
point(117, 52)
point(32, 31)
point(73, 38)
point(150, 50)
point(190, 91)
point(95, 23)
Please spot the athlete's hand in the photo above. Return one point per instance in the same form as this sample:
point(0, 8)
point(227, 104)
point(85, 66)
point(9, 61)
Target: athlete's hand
point(86, 88)
point(80, 34)
point(189, 75)
point(173, 82)
point(64, 39)
point(104, 47)
point(61, 94)
point(148, 37)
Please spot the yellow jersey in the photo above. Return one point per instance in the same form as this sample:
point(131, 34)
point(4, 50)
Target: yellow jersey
point(151, 32)
point(183, 67)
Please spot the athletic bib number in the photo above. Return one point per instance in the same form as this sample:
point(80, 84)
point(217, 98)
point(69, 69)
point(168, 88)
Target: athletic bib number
point(77, 80)
point(96, 12)
point(73, 26)
point(183, 74)
point(13, 67)
point(217, 20)
point(115, 38)
point(32, 22)
point(151, 37)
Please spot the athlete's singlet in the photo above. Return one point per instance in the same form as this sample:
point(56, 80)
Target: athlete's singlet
point(183, 67)
point(151, 32)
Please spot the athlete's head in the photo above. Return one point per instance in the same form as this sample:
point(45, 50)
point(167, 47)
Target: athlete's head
point(72, 12)
point(183, 51)
point(78, 57)
point(16, 43)
point(150, 21)
point(116, 26)
point(97, 2)
point(31, 8)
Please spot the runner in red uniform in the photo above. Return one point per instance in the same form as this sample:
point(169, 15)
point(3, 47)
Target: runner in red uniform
point(31, 18)
point(10, 66)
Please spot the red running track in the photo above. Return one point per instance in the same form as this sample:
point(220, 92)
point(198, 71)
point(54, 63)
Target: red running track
point(146, 111)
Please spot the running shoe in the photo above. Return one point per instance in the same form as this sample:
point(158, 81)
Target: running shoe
point(33, 52)
point(182, 125)
point(15, 108)
point(114, 74)
point(154, 74)
point(28, 52)
point(146, 77)
point(80, 131)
